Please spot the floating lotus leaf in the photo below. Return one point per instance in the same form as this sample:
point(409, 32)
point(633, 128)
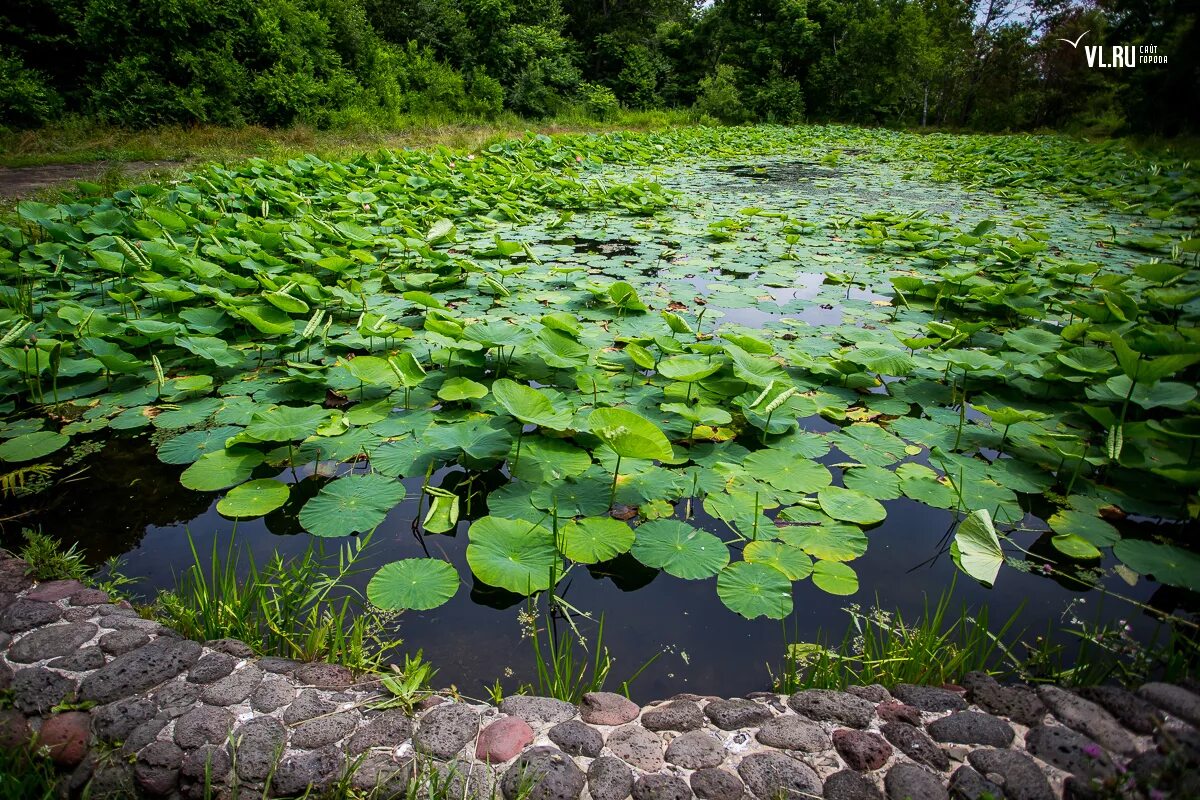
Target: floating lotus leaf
point(788, 559)
point(186, 448)
point(688, 368)
point(679, 549)
point(755, 590)
point(254, 498)
point(835, 577)
point(879, 483)
point(221, 469)
point(512, 554)
point(286, 423)
point(1073, 546)
point(1086, 526)
point(630, 435)
point(480, 442)
point(832, 541)
point(785, 470)
point(529, 405)
point(351, 504)
point(29, 446)
point(851, 506)
point(594, 539)
point(416, 584)
point(455, 389)
point(1166, 563)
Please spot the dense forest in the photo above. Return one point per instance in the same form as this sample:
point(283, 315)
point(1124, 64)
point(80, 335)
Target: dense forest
point(988, 65)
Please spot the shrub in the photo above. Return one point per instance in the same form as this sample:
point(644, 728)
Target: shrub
point(780, 100)
point(599, 101)
point(25, 98)
point(719, 97)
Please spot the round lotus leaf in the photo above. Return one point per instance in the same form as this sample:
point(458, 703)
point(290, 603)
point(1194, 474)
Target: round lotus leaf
point(221, 469)
point(787, 471)
point(630, 435)
point(416, 584)
point(851, 506)
point(833, 541)
point(548, 460)
point(594, 539)
point(254, 498)
point(29, 446)
point(351, 504)
point(679, 549)
point(187, 448)
point(513, 554)
point(1086, 526)
point(1074, 546)
point(581, 498)
point(879, 483)
point(788, 559)
point(755, 590)
point(529, 405)
point(286, 423)
point(688, 368)
point(835, 577)
point(1166, 563)
point(461, 389)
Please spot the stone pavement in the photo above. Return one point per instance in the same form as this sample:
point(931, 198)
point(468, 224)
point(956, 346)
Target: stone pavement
point(127, 708)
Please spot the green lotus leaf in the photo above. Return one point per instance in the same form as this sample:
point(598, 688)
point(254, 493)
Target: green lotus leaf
point(481, 442)
point(850, 506)
point(351, 504)
point(1074, 546)
point(286, 423)
point(442, 516)
point(548, 460)
point(688, 368)
point(221, 469)
point(785, 470)
point(755, 590)
point(512, 554)
point(371, 370)
point(679, 549)
point(594, 539)
point(186, 448)
point(1167, 563)
point(529, 405)
point(976, 547)
point(455, 389)
point(416, 584)
point(630, 435)
point(29, 446)
point(835, 578)
point(792, 561)
point(833, 541)
point(254, 498)
point(573, 498)
point(879, 483)
point(1086, 526)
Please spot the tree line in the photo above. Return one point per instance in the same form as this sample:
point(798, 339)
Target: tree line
point(989, 65)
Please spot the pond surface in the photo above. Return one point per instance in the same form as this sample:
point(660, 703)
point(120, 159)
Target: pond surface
point(794, 267)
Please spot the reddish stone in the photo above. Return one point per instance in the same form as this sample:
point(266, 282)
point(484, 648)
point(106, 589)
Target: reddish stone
point(861, 750)
point(606, 708)
point(53, 591)
point(503, 740)
point(430, 702)
point(14, 729)
point(12, 575)
point(899, 712)
point(88, 597)
point(65, 736)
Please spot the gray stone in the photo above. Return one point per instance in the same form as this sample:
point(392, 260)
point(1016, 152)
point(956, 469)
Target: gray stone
point(88, 597)
point(1017, 773)
point(24, 615)
point(308, 771)
point(610, 778)
point(324, 730)
point(381, 775)
point(12, 575)
point(207, 761)
point(916, 745)
point(118, 643)
point(258, 744)
point(1069, 751)
point(6, 675)
point(1018, 703)
point(577, 738)
point(696, 750)
point(203, 725)
point(53, 591)
point(637, 747)
point(730, 715)
point(1087, 718)
point(175, 697)
point(971, 727)
point(825, 704)
point(274, 692)
point(661, 787)
point(967, 784)
point(14, 729)
point(234, 687)
point(84, 660)
point(678, 715)
point(537, 711)
point(552, 773)
point(467, 781)
point(121, 609)
point(446, 729)
point(37, 690)
point(775, 776)
point(51, 642)
point(324, 676)
point(910, 782)
point(717, 784)
point(136, 623)
point(898, 712)
point(74, 615)
point(1135, 713)
point(115, 721)
point(142, 669)
point(929, 698)
point(876, 693)
point(277, 665)
point(143, 735)
point(311, 703)
point(607, 708)
point(861, 750)
point(851, 785)
point(1173, 699)
point(212, 667)
point(387, 729)
point(157, 768)
point(792, 732)
point(230, 647)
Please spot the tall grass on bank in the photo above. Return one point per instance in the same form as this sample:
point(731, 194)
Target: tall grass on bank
point(301, 607)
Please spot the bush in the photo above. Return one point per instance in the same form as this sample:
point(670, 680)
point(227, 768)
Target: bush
point(25, 98)
point(780, 100)
point(599, 101)
point(719, 97)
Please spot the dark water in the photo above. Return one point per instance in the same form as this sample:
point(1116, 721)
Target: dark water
point(127, 503)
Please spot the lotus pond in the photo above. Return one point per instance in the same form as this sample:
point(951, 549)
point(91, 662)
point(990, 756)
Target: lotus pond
point(699, 381)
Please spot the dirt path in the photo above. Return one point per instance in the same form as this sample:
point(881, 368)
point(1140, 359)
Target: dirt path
point(24, 181)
